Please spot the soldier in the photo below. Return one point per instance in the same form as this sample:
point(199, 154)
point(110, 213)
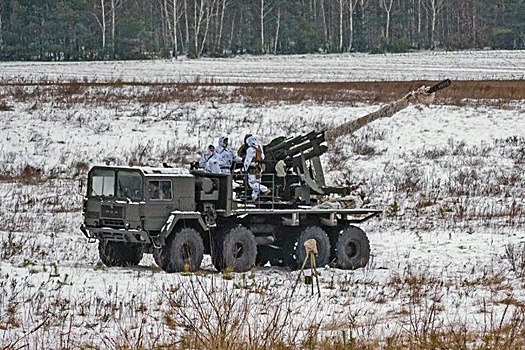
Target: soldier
point(210, 161)
point(242, 150)
point(226, 155)
point(253, 165)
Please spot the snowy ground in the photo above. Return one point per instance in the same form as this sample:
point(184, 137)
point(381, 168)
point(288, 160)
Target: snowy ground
point(447, 254)
point(462, 65)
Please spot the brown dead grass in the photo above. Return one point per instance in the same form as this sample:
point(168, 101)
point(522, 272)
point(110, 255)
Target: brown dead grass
point(496, 93)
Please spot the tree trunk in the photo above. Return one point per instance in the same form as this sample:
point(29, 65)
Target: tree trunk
point(418, 17)
point(166, 27)
point(434, 7)
point(196, 29)
point(207, 13)
point(364, 23)
point(262, 26)
point(387, 6)
point(277, 31)
point(201, 23)
point(221, 26)
point(341, 9)
point(187, 26)
point(325, 25)
point(113, 22)
point(175, 24)
point(103, 25)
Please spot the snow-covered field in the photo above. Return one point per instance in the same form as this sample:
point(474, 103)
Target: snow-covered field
point(447, 257)
point(432, 65)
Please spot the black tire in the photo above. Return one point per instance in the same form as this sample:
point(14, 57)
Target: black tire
point(353, 249)
point(239, 250)
point(183, 251)
point(119, 253)
point(323, 246)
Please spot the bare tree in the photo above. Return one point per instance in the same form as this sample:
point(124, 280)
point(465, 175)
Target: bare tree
point(219, 14)
point(101, 20)
point(221, 22)
point(419, 17)
point(176, 18)
point(351, 9)
point(114, 4)
point(187, 25)
point(387, 6)
point(166, 22)
point(202, 13)
point(264, 7)
point(434, 7)
point(325, 23)
point(278, 26)
point(341, 4)
point(172, 16)
point(101, 17)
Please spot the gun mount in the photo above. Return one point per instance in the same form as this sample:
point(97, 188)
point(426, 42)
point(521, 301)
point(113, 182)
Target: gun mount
point(299, 155)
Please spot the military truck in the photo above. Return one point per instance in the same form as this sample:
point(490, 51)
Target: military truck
point(180, 217)
point(131, 211)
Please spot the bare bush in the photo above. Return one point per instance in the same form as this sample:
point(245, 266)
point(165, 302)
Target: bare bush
point(12, 245)
point(409, 181)
point(515, 256)
point(4, 107)
point(30, 175)
point(219, 317)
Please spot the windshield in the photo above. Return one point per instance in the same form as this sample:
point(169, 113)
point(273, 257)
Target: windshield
point(129, 185)
point(122, 184)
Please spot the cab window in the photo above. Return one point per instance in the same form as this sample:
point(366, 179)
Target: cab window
point(129, 185)
point(160, 190)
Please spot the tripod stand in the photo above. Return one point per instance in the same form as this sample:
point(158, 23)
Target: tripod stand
point(311, 251)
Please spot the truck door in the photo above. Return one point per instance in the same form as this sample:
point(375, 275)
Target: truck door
point(160, 203)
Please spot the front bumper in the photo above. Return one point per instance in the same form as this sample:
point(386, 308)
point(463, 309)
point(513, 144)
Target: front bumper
point(117, 235)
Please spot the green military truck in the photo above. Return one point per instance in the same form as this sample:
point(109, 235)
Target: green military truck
point(131, 211)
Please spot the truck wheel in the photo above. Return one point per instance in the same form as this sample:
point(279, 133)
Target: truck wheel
point(119, 253)
point(239, 250)
point(183, 251)
point(323, 246)
point(353, 248)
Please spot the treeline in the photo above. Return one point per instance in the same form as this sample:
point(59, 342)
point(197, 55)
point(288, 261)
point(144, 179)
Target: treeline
point(131, 29)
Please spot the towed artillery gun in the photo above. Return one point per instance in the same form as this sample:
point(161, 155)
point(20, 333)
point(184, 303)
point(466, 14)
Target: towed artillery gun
point(178, 218)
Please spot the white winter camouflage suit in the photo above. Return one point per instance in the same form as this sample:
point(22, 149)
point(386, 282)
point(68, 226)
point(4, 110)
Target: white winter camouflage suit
point(226, 155)
point(210, 161)
point(254, 180)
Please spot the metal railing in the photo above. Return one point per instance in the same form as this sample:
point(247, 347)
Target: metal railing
point(246, 200)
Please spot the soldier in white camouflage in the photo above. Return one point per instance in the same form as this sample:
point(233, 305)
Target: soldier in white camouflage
point(226, 155)
point(253, 165)
point(210, 161)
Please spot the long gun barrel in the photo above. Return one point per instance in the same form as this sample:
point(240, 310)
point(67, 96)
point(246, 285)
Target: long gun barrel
point(387, 111)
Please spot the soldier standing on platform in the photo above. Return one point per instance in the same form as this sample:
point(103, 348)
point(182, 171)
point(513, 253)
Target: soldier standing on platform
point(253, 165)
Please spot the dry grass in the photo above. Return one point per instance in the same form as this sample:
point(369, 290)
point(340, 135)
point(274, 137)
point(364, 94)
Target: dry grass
point(496, 93)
